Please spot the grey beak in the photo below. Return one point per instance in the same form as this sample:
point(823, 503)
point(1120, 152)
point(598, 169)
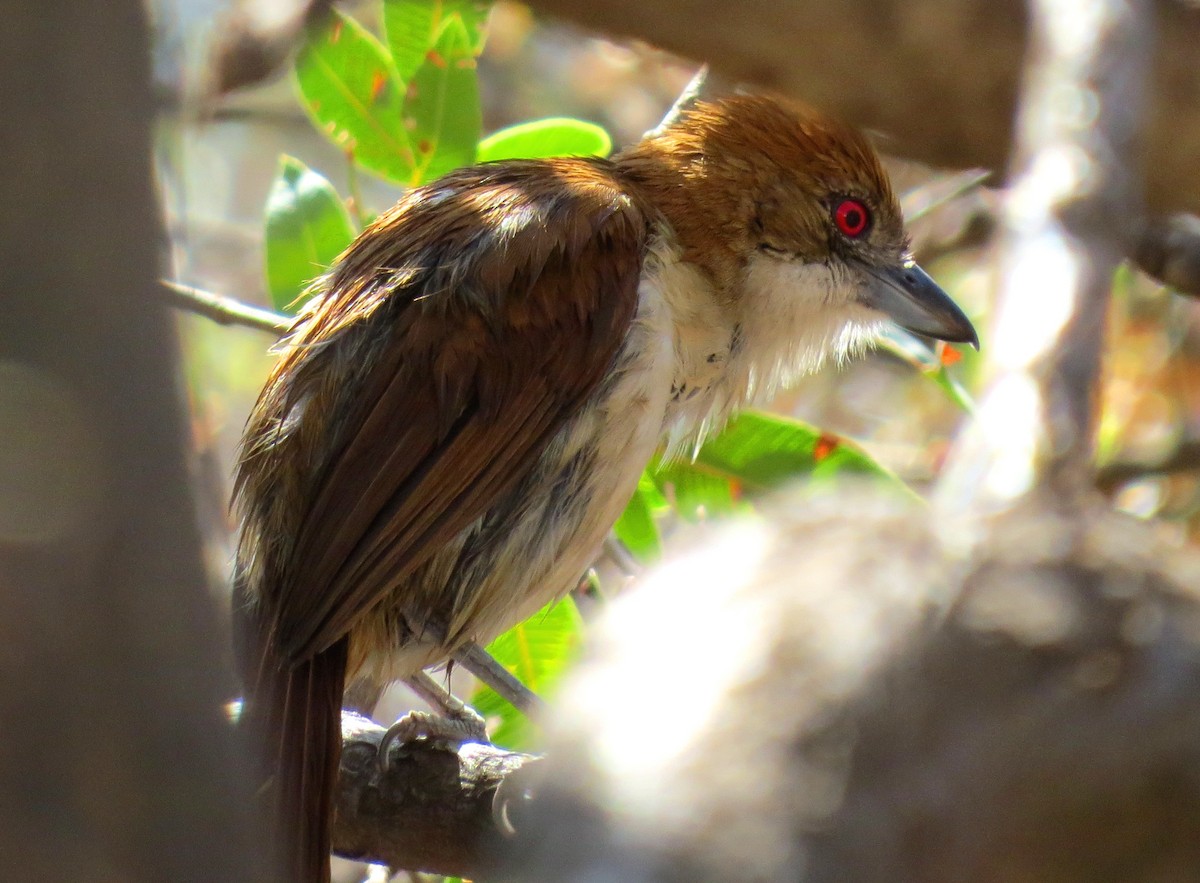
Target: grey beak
point(908, 296)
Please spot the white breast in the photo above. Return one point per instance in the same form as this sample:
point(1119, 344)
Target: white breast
point(686, 364)
point(801, 315)
point(579, 489)
point(623, 424)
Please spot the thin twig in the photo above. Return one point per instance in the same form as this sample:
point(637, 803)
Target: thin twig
point(225, 310)
point(689, 96)
point(917, 202)
point(977, 230)
point(621, 556)
point(1184, 457)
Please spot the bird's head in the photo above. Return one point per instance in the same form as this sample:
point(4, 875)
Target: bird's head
point(792, 217)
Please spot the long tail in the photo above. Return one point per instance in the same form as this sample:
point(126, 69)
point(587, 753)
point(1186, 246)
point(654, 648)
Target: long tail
point(292, 716)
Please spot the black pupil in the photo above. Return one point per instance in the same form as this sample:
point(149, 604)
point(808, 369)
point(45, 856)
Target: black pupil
point(853, 219)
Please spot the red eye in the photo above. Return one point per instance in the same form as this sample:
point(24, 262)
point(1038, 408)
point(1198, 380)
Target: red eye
point(851, 217)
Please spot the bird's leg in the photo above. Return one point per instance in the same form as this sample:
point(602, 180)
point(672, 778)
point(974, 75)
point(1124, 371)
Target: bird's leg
point(456, 723)
point(441, 698)
point(480, 663)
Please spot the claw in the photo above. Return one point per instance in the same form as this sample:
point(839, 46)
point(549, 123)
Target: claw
point(464, 726)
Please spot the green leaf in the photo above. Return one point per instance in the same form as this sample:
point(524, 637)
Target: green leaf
point(763, 451)
point(636, 527)
point(757, 452)
point(909, 348)
point(412, 28)
point(557, 136)
point(307, 227)
point(350, 88)
point(538, 651)
point(696, 491)
point(954, 389)
point(474, 16)
point(441, 107)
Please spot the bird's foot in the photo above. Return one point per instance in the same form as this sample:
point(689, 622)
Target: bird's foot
point(457, 722)
point(466, 727)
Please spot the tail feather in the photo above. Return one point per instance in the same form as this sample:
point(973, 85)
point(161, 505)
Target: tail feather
point(292, 715)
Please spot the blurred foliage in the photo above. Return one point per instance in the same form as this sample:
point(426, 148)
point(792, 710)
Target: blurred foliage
point(306, 229)
point(557, 136)
point(1151, 404)
point(350, 87)
point(637, 528)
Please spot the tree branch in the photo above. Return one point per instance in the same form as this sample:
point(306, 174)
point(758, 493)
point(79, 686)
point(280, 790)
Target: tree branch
point(225, 310)
point(1184, 457)
point(432, 810)
point(937, 78)
point(1169, 250)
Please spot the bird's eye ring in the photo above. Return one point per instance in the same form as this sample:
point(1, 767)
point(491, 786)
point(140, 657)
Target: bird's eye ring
point(852, 218)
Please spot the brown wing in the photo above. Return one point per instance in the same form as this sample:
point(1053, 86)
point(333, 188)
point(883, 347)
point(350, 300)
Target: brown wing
point(502, 295)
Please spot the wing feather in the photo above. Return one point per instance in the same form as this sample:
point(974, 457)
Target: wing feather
point(503, 295)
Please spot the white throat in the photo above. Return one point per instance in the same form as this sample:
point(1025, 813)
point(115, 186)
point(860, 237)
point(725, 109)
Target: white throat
point(799, 315)
point(790, 318)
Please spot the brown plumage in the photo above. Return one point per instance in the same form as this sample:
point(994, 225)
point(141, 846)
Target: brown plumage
point(729, 181)
point(460, 414)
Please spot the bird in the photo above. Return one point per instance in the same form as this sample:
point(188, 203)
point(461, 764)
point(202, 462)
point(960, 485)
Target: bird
point(461, 411)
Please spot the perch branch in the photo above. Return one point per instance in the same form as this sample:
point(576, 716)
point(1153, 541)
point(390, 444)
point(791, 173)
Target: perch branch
point(431, 810)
